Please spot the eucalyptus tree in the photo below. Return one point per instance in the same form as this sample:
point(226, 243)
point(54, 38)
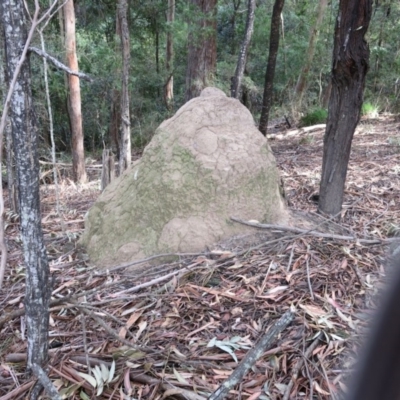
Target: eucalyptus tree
point(125, 124)
point(270, 72)
point(74, 95)
point(242, 59)
point(24, 139)
point(314, 31)
point(349, 69)
point(202, 47)
point(169, 56)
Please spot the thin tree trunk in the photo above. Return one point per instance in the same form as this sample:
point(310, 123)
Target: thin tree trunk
point(236, 5)
point(303, 77)
point(241, 64)
point(270, 73)
point(74, 99)
point(284, 47)
point(125, 128)
point(380, 42)
point(24, 134)
point(169, 57)
point(115, 119)
point(11, 171)
point(202, 49)
point(157, 45)
point(10, 162)
point(350, 65)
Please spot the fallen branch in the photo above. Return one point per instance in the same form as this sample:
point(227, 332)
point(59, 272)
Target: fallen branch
point(312, 232)
point(252, 356)
point(15, 393)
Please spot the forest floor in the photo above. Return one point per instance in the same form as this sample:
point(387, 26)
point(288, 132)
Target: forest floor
point(178, 330)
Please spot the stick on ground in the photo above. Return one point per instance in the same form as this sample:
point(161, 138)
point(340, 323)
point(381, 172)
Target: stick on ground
point(252, 356)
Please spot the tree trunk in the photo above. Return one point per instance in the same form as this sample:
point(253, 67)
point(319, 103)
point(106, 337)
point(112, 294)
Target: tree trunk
point(115, 118)
point(241, 64)
point(380, 46)
point(202, 49)
point(236, 5)
point(125, 128)
point(24, 135)
point(270, 73)
point(303, 77)
point(169, 57)
point(74, 99)
point(350, 65)
point(10, 161)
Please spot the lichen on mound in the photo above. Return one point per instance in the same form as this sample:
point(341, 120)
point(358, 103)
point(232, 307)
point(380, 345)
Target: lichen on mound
point(206, 163)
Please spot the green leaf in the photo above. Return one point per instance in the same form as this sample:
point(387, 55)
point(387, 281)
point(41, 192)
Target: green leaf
point(84, 396)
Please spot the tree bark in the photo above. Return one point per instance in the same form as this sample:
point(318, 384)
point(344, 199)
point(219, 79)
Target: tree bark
point(115, 118)
point(303, 77)
point(241, 64)
point(350, 65)
point(270, 73)
point(74, 98)
point(5, 80)
point(169, 57)
point(24, 137)
point(125, 127)
point(202, 49)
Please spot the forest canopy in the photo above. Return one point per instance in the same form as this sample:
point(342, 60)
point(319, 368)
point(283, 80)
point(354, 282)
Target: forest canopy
point(98, 51)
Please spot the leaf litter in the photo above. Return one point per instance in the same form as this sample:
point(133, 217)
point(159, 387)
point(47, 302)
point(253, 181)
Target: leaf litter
point(178, 330)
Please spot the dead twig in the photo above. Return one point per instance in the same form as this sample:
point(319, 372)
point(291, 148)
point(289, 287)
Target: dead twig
point(298, 366)
point(315, 233)
point(252, 356)
point(308, 272)
point(109, 330)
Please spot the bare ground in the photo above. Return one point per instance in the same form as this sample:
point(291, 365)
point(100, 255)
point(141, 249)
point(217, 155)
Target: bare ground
point(177, 330)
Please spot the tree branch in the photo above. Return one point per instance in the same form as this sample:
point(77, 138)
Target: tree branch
point(45, 382)
point(59, 64)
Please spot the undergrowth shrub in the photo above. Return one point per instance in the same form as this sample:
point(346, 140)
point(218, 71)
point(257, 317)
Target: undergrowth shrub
point(317, 116)
point(369, 110)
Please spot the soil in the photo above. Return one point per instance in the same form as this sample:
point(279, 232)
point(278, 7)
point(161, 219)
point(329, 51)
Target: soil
point(178, 329)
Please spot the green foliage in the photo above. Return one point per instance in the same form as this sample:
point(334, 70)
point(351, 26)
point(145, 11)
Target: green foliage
point(383, 75)
point(99, 55)
point(369, 110)
point(317, 116)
